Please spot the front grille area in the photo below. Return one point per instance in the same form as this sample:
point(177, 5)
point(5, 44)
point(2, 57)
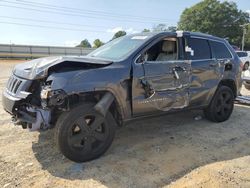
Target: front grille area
point(13, 84)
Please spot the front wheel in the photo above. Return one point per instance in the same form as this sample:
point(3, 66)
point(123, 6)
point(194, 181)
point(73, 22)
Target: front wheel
point(82, 134)
point(221, 106)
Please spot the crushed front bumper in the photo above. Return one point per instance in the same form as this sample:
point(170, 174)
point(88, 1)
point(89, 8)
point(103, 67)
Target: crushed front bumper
point(9, 102)
point(15, 102)
point(14, 92)
point(39, 120)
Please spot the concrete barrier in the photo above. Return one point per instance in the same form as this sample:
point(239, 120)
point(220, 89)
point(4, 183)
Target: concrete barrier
point(27, 51)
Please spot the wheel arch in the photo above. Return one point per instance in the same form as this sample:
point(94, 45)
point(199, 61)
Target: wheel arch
point(229, 83)
point(95, 96)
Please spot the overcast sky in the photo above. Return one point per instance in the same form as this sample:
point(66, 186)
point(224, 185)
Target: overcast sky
point(66, 23)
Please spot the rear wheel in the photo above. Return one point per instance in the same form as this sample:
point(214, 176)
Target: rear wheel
point(82, 134)
point(221, 106)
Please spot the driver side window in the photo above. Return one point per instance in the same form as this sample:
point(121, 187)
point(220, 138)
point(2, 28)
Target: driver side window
point(164, 50)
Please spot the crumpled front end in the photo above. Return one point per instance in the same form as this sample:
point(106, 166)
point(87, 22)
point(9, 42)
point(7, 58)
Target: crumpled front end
point(18, 100)
point(29, 96)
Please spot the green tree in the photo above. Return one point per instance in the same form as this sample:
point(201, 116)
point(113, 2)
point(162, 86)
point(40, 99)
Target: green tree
point(119, 34)
point(97, 43)
point(146, 30)
point(164, 27)
point(84, 44)
point(214, 17)
point(172, 28)
point(160, 27)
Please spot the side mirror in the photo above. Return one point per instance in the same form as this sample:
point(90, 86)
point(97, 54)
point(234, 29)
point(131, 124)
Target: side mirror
point(140, 58)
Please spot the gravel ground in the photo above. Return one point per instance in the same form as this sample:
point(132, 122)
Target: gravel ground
point(172, 151)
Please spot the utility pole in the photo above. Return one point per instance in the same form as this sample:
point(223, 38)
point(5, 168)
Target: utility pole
point(244, 27)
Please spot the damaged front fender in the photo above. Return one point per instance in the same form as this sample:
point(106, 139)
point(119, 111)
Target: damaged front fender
point(81, 82)
point(40, 68)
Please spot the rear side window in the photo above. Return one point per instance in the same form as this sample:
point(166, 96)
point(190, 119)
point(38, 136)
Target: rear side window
point(220, 50)
point(200, 48)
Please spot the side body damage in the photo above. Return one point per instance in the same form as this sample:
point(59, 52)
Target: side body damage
point(84, 98)
point(136, 86)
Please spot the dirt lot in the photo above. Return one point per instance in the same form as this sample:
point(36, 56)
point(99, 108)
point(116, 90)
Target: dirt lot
point(174, 150)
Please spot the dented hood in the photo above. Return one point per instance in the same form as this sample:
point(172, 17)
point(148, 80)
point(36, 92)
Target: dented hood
point(38, 68)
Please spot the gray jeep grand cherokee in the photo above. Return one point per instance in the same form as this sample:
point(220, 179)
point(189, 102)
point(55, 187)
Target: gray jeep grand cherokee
point(84, 98)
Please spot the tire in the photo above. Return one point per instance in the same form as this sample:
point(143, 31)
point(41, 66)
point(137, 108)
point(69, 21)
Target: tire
point(82, 134)
point(246, 66)
point(221, 106)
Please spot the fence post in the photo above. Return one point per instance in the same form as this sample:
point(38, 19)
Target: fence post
point(10, 50)
point(31, 52)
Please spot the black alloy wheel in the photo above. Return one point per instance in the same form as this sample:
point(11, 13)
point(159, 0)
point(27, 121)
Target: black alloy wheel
point(82, 134)
point(221, 106)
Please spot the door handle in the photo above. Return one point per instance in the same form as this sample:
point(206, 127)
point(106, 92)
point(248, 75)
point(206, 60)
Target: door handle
point(178, 68)
point(176, 74)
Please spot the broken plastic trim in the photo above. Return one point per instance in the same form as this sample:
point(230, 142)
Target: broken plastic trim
point(103, 105)
point(42, 119)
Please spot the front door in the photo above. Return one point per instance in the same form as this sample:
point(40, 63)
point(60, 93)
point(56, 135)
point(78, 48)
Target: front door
point(161, 78)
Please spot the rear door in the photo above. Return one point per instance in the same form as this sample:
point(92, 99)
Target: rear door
point(205, 69)
point(222, 55)
point(160, 85)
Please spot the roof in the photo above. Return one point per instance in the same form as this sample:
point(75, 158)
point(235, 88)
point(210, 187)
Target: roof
point(198, 34)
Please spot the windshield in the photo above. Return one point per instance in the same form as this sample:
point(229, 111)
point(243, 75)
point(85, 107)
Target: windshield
point(119, 48)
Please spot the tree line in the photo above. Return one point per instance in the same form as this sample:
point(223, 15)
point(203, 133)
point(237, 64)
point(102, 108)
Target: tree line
point(97, 42)
point(222, 19)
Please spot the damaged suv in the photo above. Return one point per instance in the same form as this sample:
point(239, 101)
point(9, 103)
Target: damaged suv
point(85, 98)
